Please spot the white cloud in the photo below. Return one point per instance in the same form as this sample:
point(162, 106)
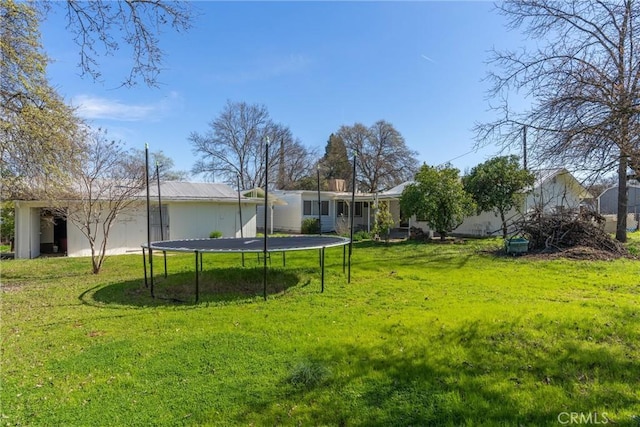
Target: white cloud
point(99, 108)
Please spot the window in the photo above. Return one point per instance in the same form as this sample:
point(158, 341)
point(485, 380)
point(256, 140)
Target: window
point(342, 209)
point(310, 207)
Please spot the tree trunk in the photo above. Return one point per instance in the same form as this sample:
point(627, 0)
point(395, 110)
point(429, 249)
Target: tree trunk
point(504, 225)
point(621, 226)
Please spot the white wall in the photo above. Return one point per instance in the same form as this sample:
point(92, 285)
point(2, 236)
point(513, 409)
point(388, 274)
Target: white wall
point(27, 230)
point(287, 218)
point(558, 191)
point(126, 235)
point(196, 220)
point(485, 224)
point(129, 231)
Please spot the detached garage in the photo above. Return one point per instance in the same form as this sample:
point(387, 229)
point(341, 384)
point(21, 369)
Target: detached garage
point(189, 210)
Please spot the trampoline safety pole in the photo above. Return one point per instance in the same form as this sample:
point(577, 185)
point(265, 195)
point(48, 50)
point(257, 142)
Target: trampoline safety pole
point(266, 206)
point(164, 253)
point(352, 209)
point(319, 204)
point(240, 213)
point(146, 168)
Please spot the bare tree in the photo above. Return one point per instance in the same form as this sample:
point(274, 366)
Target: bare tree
point(384, 160)
point(104, 27)
point(108, 183)
point(584, 79)
point(235, 146)
point(164, 165)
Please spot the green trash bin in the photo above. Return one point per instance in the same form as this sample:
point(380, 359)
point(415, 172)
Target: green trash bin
point(516, 245)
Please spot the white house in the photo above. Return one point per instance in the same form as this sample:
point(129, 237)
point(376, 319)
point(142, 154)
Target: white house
point(189, 210)
point(553, 189)
point(295, 206)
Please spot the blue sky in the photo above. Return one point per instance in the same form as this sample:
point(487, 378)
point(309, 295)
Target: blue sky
point(314, 65)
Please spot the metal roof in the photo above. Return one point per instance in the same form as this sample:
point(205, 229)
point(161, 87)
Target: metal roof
point(195, 191)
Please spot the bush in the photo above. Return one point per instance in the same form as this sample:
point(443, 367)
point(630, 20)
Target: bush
point(310, 226)
point(215, 234)
point(361, 235)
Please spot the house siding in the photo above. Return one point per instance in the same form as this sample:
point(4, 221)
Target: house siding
point(608, 200)
point(197, 220)
point(187, 220)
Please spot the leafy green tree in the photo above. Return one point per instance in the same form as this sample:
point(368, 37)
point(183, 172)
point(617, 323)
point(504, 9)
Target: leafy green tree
point(384, 221)
point(7, 221)
point(438, 197)
point(497, 184)
point(39, 134)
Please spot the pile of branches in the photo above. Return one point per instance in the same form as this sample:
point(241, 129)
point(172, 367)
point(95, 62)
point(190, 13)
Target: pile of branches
point(559, 231)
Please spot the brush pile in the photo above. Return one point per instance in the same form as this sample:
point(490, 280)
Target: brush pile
point(570, 232)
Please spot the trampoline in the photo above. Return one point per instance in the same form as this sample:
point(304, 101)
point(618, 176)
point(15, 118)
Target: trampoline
point(243, 245)
point(264, 245)
point(249, 244)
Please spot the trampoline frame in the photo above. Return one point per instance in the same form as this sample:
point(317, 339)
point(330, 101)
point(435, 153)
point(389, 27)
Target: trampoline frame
point(246, 245)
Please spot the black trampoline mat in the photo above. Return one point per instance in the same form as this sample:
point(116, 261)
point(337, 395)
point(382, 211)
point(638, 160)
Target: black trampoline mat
point(249, 244)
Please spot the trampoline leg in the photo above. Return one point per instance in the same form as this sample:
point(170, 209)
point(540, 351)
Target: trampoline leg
point(151, 273)
point(344, 259)
point(144, 264)
point(197, 279)
point(349, 272)
point(322, 269)
point(164, 253)
point(200, 262)
point(264, 278)
point(284, 262)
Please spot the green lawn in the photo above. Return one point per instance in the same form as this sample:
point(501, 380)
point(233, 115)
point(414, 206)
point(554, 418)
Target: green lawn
point(425, 334)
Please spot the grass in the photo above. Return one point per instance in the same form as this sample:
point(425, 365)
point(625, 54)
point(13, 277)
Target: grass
point(425, 334)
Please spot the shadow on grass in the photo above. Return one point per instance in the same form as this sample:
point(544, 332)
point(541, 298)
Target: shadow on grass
point(488, 381)
point(220, 285)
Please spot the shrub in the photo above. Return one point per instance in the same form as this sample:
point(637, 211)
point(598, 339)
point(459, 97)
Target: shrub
point(310, 226)
point(215, 234)
point(361, 235)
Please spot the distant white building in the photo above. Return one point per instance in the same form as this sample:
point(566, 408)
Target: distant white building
point(189, 210)
point(608, 206)
point(553, 189)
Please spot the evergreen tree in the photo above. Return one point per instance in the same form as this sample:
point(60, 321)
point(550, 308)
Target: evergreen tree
point(335, 163)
